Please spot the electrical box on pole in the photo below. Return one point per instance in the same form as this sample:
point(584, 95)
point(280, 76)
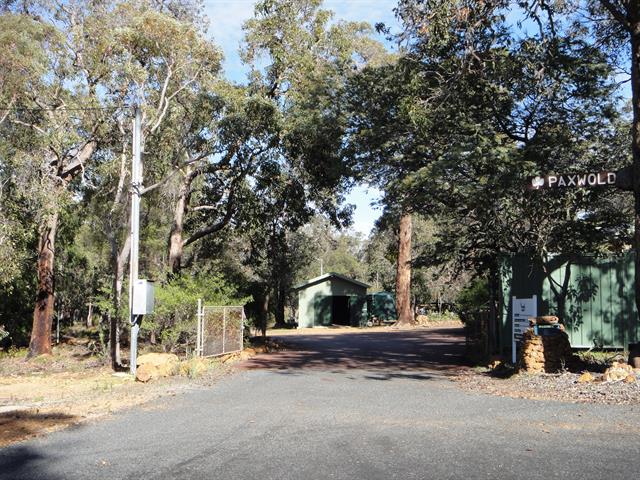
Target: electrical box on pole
point(143, 297)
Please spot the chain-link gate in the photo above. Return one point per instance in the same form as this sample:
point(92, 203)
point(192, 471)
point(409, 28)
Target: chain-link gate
point(220, 330)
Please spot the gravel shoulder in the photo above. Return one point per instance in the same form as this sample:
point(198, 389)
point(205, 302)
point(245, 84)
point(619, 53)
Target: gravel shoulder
point(561, 387)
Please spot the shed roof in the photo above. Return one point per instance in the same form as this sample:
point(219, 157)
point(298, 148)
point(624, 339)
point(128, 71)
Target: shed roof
point(329, 276)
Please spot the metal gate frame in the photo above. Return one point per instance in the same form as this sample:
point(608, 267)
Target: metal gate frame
point(200, 336)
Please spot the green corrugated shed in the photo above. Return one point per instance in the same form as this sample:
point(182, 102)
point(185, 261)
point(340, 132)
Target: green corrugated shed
point(597, 293)
point(331, 299)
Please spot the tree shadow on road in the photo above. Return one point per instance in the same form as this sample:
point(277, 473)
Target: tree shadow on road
point(402, 376)
point(22, 461)
point(393, 353)
point(25, 462)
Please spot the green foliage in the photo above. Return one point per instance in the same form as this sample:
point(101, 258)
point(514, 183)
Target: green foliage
point(339, 251)
point(3, 333)
point(436, 317)
point(474, 296)
point(456, 126)
point(173, 323)
point(22, 41)
point(299, 61)
point(450, 127)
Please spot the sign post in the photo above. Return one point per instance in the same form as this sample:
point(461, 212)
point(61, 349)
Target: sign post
point(522, 309)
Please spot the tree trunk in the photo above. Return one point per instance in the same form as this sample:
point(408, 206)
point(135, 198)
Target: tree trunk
point(114, 339)
point(492, 326)
point(119, 256)
point(119, 260)
point(264, 313)
point(403, 273)
point(90, 315)
point(43, 313)
point(176, 241)
point(281, 304)
point(635, 89)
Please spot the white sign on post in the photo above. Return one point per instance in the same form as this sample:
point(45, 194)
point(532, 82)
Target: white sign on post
point(523, 308)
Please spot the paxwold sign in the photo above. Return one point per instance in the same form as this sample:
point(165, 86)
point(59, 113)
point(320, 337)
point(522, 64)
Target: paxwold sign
point(574, 180)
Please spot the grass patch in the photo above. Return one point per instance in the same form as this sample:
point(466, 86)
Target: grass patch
point(13, 352)
point(196, 367)
point(443, 317)
point(439, 319)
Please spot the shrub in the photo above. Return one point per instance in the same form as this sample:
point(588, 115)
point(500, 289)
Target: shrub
point(173, 323)
point(474, 296)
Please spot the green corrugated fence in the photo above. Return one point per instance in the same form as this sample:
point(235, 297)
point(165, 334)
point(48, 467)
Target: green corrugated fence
point(594, 297)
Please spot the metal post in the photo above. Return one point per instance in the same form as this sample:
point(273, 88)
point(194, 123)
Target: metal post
point(199, 331)
point(224, 328)
point(242, 319)
point(202, 339)
point(136, 186)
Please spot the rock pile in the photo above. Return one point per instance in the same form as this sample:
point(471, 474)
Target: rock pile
point(619, 371)
point(545, 353)
point(155, 365)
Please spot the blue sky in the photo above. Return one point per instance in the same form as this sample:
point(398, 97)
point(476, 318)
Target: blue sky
point(226, 18)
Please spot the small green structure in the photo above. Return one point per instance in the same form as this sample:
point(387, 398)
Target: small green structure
point(382, 306)
point(331, 299)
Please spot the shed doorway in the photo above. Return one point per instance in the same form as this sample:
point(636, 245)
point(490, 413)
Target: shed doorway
point(340, 311)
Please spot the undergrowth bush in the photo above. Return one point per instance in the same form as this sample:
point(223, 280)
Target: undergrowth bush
point(173, 323)
point(443, 317)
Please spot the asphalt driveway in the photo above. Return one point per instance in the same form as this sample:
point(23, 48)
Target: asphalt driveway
point(384, 351)
point(374, 405)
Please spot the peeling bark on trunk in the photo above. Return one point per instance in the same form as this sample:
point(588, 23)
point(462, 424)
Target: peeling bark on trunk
point(403, 272)
point(43, 313)
point(114, 341)
point(176, 240)
point(64, 168)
